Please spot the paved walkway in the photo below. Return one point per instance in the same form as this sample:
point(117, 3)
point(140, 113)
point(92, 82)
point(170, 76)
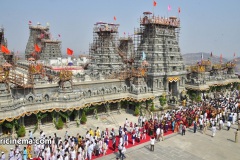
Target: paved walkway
point(195, 146)
point(175, 146)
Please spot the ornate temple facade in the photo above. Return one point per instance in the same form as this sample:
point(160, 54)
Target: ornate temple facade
point(204, 75)
point(40, 37)
point(158, 45)
point(136, 69)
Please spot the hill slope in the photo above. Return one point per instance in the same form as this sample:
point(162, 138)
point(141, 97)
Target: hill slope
point(193, 58)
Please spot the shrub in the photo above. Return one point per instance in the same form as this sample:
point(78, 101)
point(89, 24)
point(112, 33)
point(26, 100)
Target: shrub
point(152, 108)
point(21, 131)
point(162, 100)
point(83, 118)
point(137, 111)
point(59, 123)
point(198, 98)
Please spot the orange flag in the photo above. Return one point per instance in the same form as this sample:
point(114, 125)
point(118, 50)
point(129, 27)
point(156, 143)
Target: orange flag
point(154, 3)
point(69, 51)
point(5, 49)
point(37, 48)
point(114, 18)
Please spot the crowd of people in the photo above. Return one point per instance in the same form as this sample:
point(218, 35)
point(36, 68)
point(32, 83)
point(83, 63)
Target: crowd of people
point(204, 115)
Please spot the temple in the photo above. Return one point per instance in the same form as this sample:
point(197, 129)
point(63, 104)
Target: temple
point(123, 72)
point(48, 48)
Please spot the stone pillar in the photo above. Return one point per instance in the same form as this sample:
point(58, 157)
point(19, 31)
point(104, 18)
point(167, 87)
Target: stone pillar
point(119, 107)
point(108, 108)
point(76, 115)
point(21, 120)
point(127, 105)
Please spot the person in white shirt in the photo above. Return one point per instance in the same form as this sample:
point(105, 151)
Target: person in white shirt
point(127, 122)
point(161, 134)
point(105, 147)
point(89, 151)
point(228, 125)
point(201, 123)
point(152, 141)
point(65, 156)
point(100, 143)
point(3, 157)
point(158, 134)
point(73, 154)
point(30, 135)
point(11, 154)
point(144, 133)
point(220, 124)
point(80, 157)
point(214, 129)
point(18, 156)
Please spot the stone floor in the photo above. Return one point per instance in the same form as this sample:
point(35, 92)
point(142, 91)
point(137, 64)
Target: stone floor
point(175, 146)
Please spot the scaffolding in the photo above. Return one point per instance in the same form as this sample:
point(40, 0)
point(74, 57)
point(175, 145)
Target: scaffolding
point(41, 36)
point(104, 51)
point(158, 38)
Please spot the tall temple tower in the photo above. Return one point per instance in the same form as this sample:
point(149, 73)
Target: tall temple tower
point(104, 49)
point(5, 57)
point(158, 43)
point(2, 42)
point(40, 36)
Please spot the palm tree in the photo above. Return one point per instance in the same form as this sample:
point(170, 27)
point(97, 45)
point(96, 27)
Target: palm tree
point(13, 125)
point(54, 115)
point(39, 116)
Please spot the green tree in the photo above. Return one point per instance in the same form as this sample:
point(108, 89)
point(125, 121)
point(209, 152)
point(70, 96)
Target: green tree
point(198, 98)
point(137, 111)
point(83, 118)
point(59, 123)
point(152, 107)
point(162, 100)
point(13, 125)
point(21, 131)
point(193, 96)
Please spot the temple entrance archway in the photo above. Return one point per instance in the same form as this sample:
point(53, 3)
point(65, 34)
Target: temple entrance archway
point(173, 89)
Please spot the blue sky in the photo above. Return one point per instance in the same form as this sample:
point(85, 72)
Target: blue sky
point(206, 25)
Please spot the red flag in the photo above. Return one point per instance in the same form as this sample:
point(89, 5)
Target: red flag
point(154, 3)
point(69, 51)
point(5, 49)
point(37, 48)
point(114, 18)
point(179, 10)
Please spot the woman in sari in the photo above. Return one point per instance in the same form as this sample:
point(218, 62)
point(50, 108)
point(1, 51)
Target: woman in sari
point(176, 127)
point(29, 150)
